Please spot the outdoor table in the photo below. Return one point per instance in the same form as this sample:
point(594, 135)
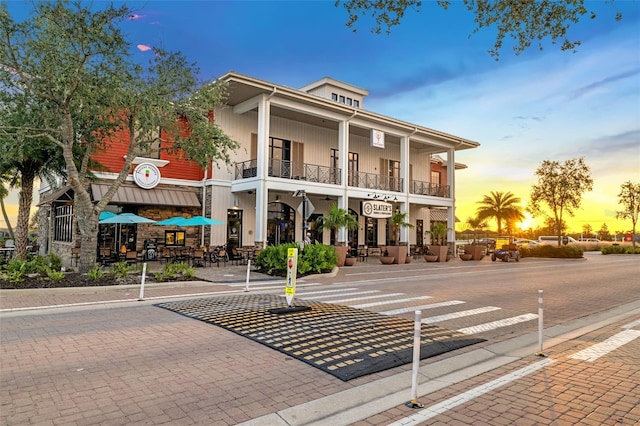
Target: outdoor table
point(7, 253)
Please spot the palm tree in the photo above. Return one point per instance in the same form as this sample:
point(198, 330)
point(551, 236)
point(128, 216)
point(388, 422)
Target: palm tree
point(397, 221)
point(500, 206)
point(477, 224)
point(4, 193)
point(337, 218)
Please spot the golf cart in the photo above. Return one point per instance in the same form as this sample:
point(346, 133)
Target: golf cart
point(506, 249)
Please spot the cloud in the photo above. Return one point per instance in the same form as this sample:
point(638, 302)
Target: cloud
point(143, 47)
point(596, 86)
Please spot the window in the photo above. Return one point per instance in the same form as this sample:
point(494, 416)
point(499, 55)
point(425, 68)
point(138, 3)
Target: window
point(174, 238)
point(334, 97)
point(435, 177)
point(356, 103)
point(63, 228)
point(349, 101)
point(342, 99)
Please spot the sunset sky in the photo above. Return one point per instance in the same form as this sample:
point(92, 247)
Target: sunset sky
point(541, 105)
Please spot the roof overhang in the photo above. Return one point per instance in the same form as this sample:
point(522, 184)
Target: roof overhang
point(130, 194)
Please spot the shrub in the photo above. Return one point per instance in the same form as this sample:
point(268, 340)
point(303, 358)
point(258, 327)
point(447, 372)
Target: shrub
point(619, 249)
point(121, 270)
point(55, 262)
point(551, 251)
point(95, 273)
point(315, 258)
point(55, 275)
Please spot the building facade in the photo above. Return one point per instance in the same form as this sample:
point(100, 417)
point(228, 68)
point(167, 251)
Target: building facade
point(301, 150)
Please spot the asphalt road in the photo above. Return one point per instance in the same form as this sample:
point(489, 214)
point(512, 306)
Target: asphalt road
point(103, 357)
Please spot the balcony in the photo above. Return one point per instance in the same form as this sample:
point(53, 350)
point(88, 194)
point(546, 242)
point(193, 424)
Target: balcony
point(290, 170)
point(428, 188)
point(323, 174)
point(374, 181)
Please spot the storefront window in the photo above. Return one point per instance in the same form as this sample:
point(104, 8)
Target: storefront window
point(174, 238)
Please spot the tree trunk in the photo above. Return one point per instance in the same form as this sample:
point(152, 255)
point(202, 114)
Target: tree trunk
point(88, 234)
point(24, 208)
point(6, 218)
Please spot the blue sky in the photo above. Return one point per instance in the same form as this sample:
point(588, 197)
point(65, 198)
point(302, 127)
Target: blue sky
point(522, 109)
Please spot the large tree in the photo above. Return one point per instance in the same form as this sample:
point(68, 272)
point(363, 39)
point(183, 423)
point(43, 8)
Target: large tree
point(500, 206)
point(27, 158)
point(527, 22)
point(559, 190)
point(629, 198)
point(75, 61)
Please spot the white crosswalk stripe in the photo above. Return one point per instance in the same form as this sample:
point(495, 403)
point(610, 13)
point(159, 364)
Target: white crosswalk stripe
point(364, 298)
point(600, 349)
point(389, 302)
point(368, 297)
point(326, 296)
point(497, 324)
point(460, 314)
point(423, 307)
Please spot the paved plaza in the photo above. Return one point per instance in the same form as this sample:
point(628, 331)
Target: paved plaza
point(104, 357)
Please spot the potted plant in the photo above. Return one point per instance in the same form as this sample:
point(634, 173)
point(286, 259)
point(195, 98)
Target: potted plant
point(349, 260)
point(335, 219)
point(475, 250)
point(438, 235)
point(386, 259)
point(430, 256)
point(399, 252)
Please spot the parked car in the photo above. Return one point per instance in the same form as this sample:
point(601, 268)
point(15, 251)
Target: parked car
point(553, 239)
point(523, 242)
point(588, 240)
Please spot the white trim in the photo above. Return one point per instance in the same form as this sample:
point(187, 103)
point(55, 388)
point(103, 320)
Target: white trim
point(155, 161)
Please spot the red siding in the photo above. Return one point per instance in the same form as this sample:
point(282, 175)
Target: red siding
point(112, 160)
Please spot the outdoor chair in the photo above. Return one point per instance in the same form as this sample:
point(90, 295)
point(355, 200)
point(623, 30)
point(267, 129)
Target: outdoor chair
point(198, 258)
point(131, 257)
point(222, 256)
point(105, 256)
point(363, 253)
point(166, 255)
point(236, 256)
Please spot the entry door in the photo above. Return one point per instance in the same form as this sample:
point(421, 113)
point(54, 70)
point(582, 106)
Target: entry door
point(234, 229)
point(419, 232)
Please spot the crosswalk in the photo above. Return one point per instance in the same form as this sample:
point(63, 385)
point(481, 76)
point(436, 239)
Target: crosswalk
point(380, 301)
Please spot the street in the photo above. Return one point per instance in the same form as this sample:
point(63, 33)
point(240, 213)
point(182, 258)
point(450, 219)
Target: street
point(106, 358)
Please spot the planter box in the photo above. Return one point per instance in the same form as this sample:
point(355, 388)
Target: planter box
point(475, 251)
point(430, 258)
point(386, 260)
point(441, 252)
point(341, 255)
point(399, 252)
point(350, 261)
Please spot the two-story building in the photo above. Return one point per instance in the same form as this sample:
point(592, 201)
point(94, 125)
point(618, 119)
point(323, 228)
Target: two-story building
point(301, 150)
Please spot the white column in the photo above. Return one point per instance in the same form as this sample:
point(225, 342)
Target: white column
point(343, 149)
point(451, 212)
point(404, 174)
point(262, 196)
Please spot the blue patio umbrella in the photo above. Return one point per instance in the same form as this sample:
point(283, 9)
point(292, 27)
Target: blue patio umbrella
point(172, 221)
point(126, 218)
point(199, 221)
point(106, 215)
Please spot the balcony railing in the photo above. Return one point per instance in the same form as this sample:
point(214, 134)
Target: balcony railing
point(428, 188)
point(375, 181)
point(323, 174)
point(290, 170)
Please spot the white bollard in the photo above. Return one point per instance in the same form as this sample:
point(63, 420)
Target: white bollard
point(416, 363)
point(144, 276)
point(540, 323)
point(246, 286)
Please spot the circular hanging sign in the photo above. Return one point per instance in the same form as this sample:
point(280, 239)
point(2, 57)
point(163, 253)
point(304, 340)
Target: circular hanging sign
point(146, 175)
